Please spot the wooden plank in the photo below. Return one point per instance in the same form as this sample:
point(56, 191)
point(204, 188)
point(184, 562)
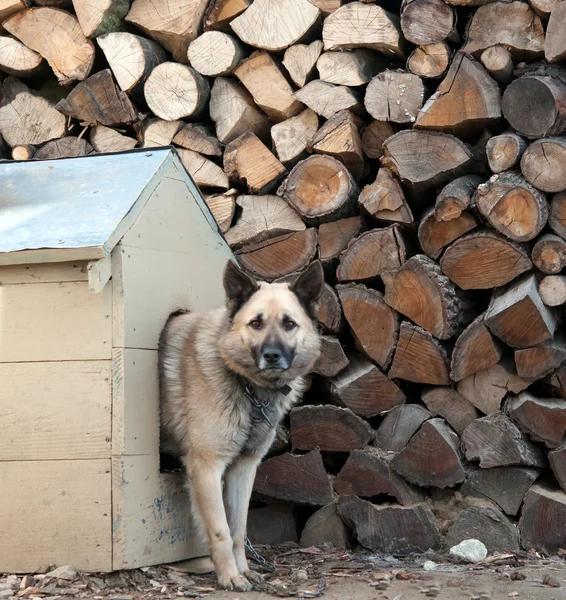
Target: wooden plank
point(52, 255)
point(54, 321)
point(99, 272)
point(55, 512)
point(43, 273)
point(55, 410)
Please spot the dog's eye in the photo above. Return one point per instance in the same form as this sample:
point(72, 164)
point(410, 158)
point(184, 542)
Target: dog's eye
point(289, 325)
point(255, 324)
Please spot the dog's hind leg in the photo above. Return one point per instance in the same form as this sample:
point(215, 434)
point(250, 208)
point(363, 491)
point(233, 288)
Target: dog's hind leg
point(206, 488)
point(239, 481)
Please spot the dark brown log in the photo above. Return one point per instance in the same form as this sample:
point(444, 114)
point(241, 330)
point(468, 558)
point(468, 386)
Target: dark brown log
point(67, 147)
point(542, 419)
point(552, 290)
point(24, 152)
point(542, 519)
point(330, 315)
point(504, 151)
point(294, 478)
point(483, 260)
point(435, 235)
point(427, 21)
point(364, 388)
point(353, 68)
point(419, 357)
point(399, 425)
point(220, 13)
point(325, 527)
point(198, 139)
point(542, 164)
point(280, 256)
point(395, 96)
point(282, 441)
point(105, 139)
point(498, 63)
point(328, 428)
point(367, 473)
point(205, 173)
point(392, 529)
point(332, 358)
point(420, 291)
point(215, 53)
point(488, 525)
point(373, 137)
point(222, 207)
point(512, 206)
point(466, 102)
point(334, 237)
point(249, 163)
point(557, 459)
point(556, 382)
point(518, 316)
point(506, 486)
point(423, 159)
point(456, 197)
point(430, 61)
point(496, 442)
point(384, 199)
point(557, 215)
point(535, 363)
point(554, 43)
point(549, 253)
point(374, 325)
point(300, 61)
point(371, 254)
point(326, 99)
point(320, 189)
point(447, 403)
point(273, 524)
point(292, 137)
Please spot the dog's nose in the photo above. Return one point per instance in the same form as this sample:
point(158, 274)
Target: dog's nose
point(271, 355)
point(274, 356)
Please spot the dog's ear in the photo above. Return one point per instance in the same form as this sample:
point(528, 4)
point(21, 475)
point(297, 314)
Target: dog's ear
point(308, 288)
point(238, 286)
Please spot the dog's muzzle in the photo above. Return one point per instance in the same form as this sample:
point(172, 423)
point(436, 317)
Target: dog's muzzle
point(274, 356)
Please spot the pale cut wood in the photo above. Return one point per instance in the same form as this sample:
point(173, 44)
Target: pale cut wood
point(67, 147)
point(542, 164)
point(68, 53)
point(498, 63)
point(18, 60)
point(233, 111)
point(373, 137)
point(466, 102)
point(435, 235)
point(544, 7)
point(446, 402)
point(25, 152)
point(105, 139)
point(262, 218)
point(300, 61)
point(427, 21)
point(384, 199)
point(283, 30)
point(325, 527)
point(504, 151)
point(220, 12)
point(552, 290)
point(554, 43)
point(326, 99)
point(381, 30)
point(10, 7)
point(215, 53)
point(395, 96)
point(173, 24)
point(327, 6)
point(198, 138)
point(101, 17)
point(131, 57)
point(262, 76)
point(335, 236)
point(353, 68)
point(557, 216)
point(158, 132)
point(398, 427)
point(543, 514)
point(542, 419)
point(549, 253)
point(222, 207)
point(429, 61)
point(332, 358)
point(204, 172)
point(456, 197)
point(291, 137)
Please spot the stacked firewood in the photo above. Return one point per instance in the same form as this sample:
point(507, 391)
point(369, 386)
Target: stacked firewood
point(415, 147)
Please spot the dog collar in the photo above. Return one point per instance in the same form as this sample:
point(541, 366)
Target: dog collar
point(251, 395)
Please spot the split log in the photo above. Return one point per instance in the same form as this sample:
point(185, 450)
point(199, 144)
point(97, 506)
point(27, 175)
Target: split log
point(68, 53)
point(26, 118)
point(427, 21)
point(557, 214)
point(466, 102)
point(518, 316)
point(476, 349)
point(373, 137)
point(326, 99)
point(352, 68)
point(435, 235)
point(173, 24)
point(330, 314)
point(327, 6)
point(288, 23)
point(294, 478)
point(215, 53)
point(332, 359)
point(334, 237)
point(506, 486)
point(399, 426)
point(420, 291)
point(549, 253)
point(486, 389)
point(554, 43)
point(542, 164)
point(131, 58)
point(430, 61)
point(222, 207)
point(512, 206)
point(67, 147)
point(419, 357)
point(496, 442)
point(300, 61)
point(18, 60)
point(262, 218)
point(157, 132)
point(374, 325)
point(273, 524)
point(557, 459)
point(363, 388)
point(24, 152)
point(488, 525)
point(367, 473)
point(483, 260)
point(328, 428)
point(10, 7)
point(233, 111)
point(101, 17)
point(220, 13)
point(105, 139)
point(447, 403)
point(399, 530)
point(542, 419)
point(204, 172)
point(513, 25)
point(395, 96)
point(498, 63)
point(280, 256)
point(544, 7)
point(371, 254)
point(456, 197)
point(384, 199)
point(380, 32)
point(504, 151)
point(424, 159)
point(198, 138)
point(542, 519)
point(291, 137)
point(556, 382)
point(325, 526)
point(250, 164)
point(552, 290)
point(340, 137)
point(320, 189)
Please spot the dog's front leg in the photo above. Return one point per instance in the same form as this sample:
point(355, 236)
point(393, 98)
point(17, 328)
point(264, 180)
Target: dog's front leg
point(206, 484)
point(239, 481)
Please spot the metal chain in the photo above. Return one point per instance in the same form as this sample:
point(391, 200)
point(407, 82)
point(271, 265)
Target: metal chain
point(319, 592)
point(258, 558)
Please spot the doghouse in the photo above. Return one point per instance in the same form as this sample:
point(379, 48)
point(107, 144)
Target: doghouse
point(95, 252)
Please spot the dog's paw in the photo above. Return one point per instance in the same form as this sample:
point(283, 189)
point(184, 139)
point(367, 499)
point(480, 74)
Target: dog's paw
point(253, 576)
point(236, 583)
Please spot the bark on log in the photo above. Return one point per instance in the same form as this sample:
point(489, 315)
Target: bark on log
point(204, 172)
point(395, 96)
point(332, 359)
point(430, 61)
point(300, 61)
point(373, 137)
point(557, 214)
point(291, 137)
point(542, 164)
point(427, 21)
point(398, 427)
point(325, 526)
point(101, 17)
point(552, 290)
point(554, 43)
point(350, 68)
point(542, 419)
point(220, 13)
point(67, 147)
point(330, 315)
point(198, 139)
point(222, 207)
point(456, 197)
point(434, 235)
point(215, 53)
point(326, 99)
point(105, 139)
point(549, 253)
point(384, 199)
point(447, 403)
point(18, 60)
point(334, 237)
point(557, 459)
point(504, 151)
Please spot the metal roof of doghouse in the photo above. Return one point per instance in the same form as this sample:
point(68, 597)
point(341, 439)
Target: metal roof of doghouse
point(78, 208)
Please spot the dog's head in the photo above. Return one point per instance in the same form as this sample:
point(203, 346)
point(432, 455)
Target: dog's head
point(273, 334)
